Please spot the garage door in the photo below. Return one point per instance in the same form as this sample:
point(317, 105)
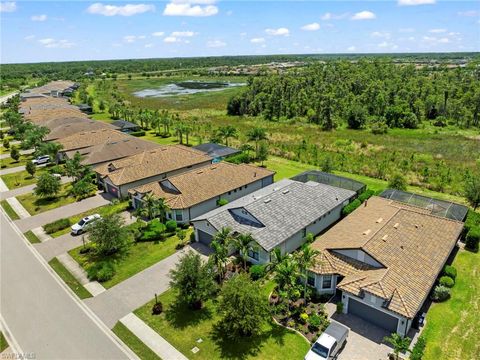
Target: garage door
point(204, 237)
point(112, 190)
point(372, 315)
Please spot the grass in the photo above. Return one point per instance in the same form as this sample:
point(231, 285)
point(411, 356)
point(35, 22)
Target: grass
point(452, 327)
point(139, 256)
point(9, 210)
point(32, 237)
point(3, 342)
point(10, 163)
point(69, 279)
point(35, 205)
point(21, 179)
point(182, 327)
point(134, 343)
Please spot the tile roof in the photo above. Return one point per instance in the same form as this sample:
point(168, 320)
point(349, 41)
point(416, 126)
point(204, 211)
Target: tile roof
point(281, 210)
point(90, 138)
point(42, 116)
point(411, 244)
point(150, 163)
point(64, 127)
point(58, 85)
point(199, 185)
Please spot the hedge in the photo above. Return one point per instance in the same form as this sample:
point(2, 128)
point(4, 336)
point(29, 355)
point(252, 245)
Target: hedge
point(450, 271)
point(366, 195)
point(446, 281)
point(473, 220)
point(57, 225)
point(473, 239)
point(351, 207)
point(138, 133)
point(418, 349)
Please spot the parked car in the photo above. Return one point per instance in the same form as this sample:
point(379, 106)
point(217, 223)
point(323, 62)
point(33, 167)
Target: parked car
point(79, 227)
point(41, 160)
point(329, 343)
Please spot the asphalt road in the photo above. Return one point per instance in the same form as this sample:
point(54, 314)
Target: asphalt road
point(41, 314)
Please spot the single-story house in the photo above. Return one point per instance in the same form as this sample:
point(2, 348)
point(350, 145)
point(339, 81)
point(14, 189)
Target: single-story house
point(125, 126)
point(384, 259)
point(64, 127)
point(41, 117)
point(216, 151)
point(278, 216)
point(117, 177)
point(198, 191)
point(52, 88)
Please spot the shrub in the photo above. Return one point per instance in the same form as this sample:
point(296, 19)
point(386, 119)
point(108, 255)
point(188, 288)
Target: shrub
point(450, 271)
point(440, 293)
point(57, 225)
point(472, 239)
point(6, 143)
point(339, 307)
point(153, 231)
point(366, 195)
point(257, 272)
point(446, 281)
point(101, 271)
point(242, 158)
point(350, 207)
point(314, 322)
point(138, 133)
point(379, 128)
point(398, 181)
point(473, 219)
point(303, 318)
point(222, 201)
point(418, 349)
point(171, 226)
point(157, 308)
point(56, 169)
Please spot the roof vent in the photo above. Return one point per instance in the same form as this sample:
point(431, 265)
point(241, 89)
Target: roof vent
point(200, 172)
point(366, 232)
point(396, 225)
point(417, 226)
point(379, 220)
point(285, 191)
point(266, 201)
point(385, 237)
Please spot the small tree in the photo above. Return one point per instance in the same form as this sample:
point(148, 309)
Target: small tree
point(243, 307)
point(219, 257)
point(243, 243)
point(262, 152)
point(31, 168)
point(47, 186)
point(6, 143)
point(82, 188)
point(14, 153)
point(193, 279)
point(73, 167)
point(398, 182)
point(109, 235)
point(472, 190)
point(399, 343)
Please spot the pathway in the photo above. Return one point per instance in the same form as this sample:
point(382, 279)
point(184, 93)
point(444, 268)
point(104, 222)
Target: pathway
point(18, 208)
point(12, 170)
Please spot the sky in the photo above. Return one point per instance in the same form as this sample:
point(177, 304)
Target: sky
point(36, 31)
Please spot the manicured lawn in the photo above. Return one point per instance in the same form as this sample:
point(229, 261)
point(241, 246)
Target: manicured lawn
point(10, 163)
point(21, 178)
point(140, 256)
point(134, 343)
point(452, 327)
point(8, 209)
point(32, 237)
point(286, 169)
point(105, 117)
point(182, 327)
point(69, 279)
point(35, 205)
point(3, 342)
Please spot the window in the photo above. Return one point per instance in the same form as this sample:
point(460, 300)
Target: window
point(254, 254)
point(304, 232)
point(178, 215)
point(311, 279)
point(327, 282)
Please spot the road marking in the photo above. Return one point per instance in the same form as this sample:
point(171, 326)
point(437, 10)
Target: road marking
point(12, 342)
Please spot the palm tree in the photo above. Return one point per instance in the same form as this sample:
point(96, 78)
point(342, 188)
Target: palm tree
point(148, 207)
point(399, 343)
point(256, 135)
point(243, 243)
point(306, 259)
point(219, 257)
point(224, 236)
point(286, 273)
point(227, 132)
point(276, 258)
point(162, 209)
point(180, 129)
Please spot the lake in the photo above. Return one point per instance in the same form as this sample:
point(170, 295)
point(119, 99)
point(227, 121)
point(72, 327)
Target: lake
point(185, 88)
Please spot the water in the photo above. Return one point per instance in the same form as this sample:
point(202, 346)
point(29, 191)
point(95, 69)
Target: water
point(185, 88)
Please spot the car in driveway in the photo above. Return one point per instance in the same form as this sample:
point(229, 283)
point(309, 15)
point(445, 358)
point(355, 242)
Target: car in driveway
point(329, 343)
point(44, 159)
point(79, 227)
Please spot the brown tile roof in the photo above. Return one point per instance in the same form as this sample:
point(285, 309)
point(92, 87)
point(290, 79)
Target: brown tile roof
point(58, 85)
point(199, 185)
point(151, 163)
point(64, 127)
point(90, 138)
point(410, 243)
point(40, 117)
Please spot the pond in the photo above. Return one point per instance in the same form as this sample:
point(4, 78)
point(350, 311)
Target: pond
point(185, 88)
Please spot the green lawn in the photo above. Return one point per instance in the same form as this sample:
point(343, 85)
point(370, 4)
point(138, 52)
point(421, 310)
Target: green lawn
point(134, 343)
point(32, 237)
point(182, 327)
point(3, 342)
point(9, 210)
point(21, 178)
point(452, 327)
point(35, 205)
point(69, 279)
point(140, 256)
point(105, 117)
point(10, 163)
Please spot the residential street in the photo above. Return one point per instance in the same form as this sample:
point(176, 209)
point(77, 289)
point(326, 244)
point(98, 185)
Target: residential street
point(41, 314)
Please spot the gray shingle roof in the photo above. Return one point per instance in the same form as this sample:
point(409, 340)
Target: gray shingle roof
point(283, 208)
point(216, 150)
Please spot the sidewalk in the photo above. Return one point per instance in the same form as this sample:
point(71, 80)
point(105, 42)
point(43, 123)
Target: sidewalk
point(12, 170)
point(18, 208)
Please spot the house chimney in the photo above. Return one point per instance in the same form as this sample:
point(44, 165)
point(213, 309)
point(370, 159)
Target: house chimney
point(366, 202)
point(255, 174)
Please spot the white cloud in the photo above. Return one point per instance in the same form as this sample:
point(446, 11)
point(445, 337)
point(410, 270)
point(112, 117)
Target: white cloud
point(243, 34)
point(183, 33)
point(469, 13)
point(42, 17)
point(351, 48)
point(29, 37)
point(171, 39)
point(437, 31)
point(178, 36)
point(158, 33)
point(444, 40)
point(190, 8)
point(129, 38)
point(257, 40)
point(125, 10)
point(364, 15)
point(229, 13)
point(415, 2)
point(381, 34)
point(383, 44)
point(278, 32)
point(216, 44)
point(329, 16)
point(311, 27)
point(53, 43)
point(8, 6)
point(149, 45)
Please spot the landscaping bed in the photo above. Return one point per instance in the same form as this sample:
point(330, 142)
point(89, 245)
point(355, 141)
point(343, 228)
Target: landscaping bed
point(31, 237)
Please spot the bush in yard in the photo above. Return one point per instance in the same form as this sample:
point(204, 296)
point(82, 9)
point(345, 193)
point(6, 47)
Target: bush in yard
point(14, 153)
point(101, 271)
point(171, 226)
point(157, 308)
point(47, 186)
point(472, 239)
point(243, 307)
point(366, 195)
point(398, 182)
point(138, 133)
point(303, 318)
point(473, 219)
point(109, 235)
point(57, 225)
point(446, 281)
point(83, 189)
point(450, 271)
point(6, 143)
point(440, 293)
point(153, 231)
point(339, 307)
point(314, 322)
point(56, 169)
point(351, 207)
point(257, 272)
point(418, 349)
point(31, 168)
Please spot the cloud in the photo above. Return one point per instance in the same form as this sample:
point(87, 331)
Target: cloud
point(311, 27)
point(383, 44)
point(278, 32)
point(406, 30)
point(257, 40)
point(178, 36)
point(42, 17)
point(129, 38)
point(469, 13)
point(158, 33)
point(190, 8)
point(29, 37)
point(351, 48)
point(149, 45)
point(216, 44)
point(125, 10)
point(53, 43)
point(183, 33)
point(381, 34)
point(171, 39)
point(8, 6)
point(416, 2)
point(437, 31)
point(364, 15)
point(329, 16)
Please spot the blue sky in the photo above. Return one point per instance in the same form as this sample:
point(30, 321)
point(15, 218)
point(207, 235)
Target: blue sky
point(33, 31)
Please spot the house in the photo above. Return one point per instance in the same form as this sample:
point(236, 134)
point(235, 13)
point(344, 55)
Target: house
point(384, 259)
point(278, 216)
point(198, 191)
point(117, 177)
point(126, 126)
point(40, 117)
point(64, 127)
point(216, 151)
